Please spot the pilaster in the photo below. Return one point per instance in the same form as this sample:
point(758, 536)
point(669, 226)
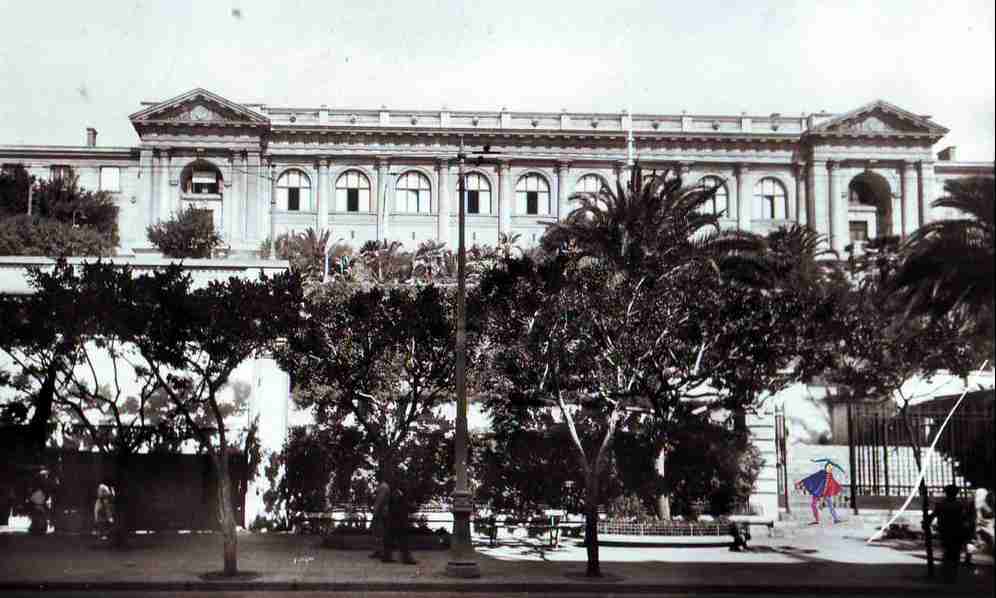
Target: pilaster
point(504, 198)
point(908, 201)
point(562, 170)
point(745, 193)
point(801, 205)
point(382, 199)
point(165, 200)
point(252, 216)
point(322, 196)
point(925, 184)
point(838, 210)
point(271, 203)
point(443, 216)
point(818, 200)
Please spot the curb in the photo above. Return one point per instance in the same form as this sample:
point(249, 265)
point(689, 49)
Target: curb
point(608, 588)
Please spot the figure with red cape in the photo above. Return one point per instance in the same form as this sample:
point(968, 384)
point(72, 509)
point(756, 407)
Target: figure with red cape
point(823, 487)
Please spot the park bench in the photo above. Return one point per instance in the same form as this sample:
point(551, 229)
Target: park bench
point(551, 531)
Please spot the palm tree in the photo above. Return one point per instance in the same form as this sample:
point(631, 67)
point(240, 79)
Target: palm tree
point(947, 268)
point(651, 225)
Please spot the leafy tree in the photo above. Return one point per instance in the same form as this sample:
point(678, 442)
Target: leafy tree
point(947, 265)
point(877, 349)
point(191, 340)
point(190, 233)
point(378, 358)
point(42, 336)
point(385, 261)
point(638, 321)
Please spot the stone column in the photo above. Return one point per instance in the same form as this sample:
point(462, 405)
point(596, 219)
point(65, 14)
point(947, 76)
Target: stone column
point(908, 203)
point(322, 195)
point(562, 169)
point(382, 207)
point(504, 198)
point(925, 184)
point(838, 211)
point(443, 215)
point(745, 195)
point(818, 200)
point(801, 205)
point(252, 199)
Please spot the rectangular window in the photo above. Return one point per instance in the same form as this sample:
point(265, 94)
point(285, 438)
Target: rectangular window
point(859, 230)
point(532, 202)
point(60, 172)
point(293, 199)
point(110, 178)
point(352, 200)
point(473, 202)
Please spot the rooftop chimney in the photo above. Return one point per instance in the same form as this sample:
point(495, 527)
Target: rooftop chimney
point(947, 154)
point(91, 137)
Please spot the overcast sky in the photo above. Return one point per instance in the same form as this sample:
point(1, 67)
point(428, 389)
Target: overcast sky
point(68, 65)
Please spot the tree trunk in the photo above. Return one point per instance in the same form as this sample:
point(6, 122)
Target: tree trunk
point(594, 568)
point(928, 535)
point(664, 500)
point(38, 425)
point(226, 513)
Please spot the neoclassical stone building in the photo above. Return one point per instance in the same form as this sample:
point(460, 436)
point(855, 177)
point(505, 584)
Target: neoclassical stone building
point(389, 174)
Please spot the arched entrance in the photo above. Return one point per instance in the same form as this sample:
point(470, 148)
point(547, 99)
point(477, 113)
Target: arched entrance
point(869, 207)
point(202, 188)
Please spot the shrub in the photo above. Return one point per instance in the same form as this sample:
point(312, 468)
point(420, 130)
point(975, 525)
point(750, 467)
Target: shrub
point(190, 233)
point(27, 235)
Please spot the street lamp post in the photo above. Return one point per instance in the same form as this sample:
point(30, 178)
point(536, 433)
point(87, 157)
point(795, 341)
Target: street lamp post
point(462, 562)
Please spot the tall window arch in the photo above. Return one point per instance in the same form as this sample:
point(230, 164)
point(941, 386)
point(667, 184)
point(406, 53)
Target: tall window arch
point(478, 194)
point(413, 193)
point(294, 191)
point(770, 200)
point(532, 196)
point(352, 192)
point(720, 202)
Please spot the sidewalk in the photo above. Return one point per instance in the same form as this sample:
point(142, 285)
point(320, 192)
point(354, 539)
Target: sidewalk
point(806, 560)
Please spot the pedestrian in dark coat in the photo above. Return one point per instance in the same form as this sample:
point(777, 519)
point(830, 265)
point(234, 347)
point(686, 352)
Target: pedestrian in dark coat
point(951, 525)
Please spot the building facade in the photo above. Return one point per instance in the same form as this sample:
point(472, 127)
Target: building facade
point(390, 174)
point(387, 174)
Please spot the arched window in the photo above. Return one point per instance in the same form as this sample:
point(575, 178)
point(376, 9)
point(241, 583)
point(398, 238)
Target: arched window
point(294, 192)
point(201, 178)
point(352, 192)
point(589, 183)
point(532, 196)
point(413, 193)
point(719, 204)
point(478, 194)
point(770, 200)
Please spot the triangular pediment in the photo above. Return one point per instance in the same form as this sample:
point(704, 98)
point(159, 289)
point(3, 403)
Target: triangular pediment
point(880, 118)
point(198, 106)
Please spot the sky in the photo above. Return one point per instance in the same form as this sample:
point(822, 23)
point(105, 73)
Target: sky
point(69, 65)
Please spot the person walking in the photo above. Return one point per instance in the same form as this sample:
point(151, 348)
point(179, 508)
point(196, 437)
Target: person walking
point(823, 487)
point(103, 511)
point(396, 530)
point(378, 522)
point(951, 525)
